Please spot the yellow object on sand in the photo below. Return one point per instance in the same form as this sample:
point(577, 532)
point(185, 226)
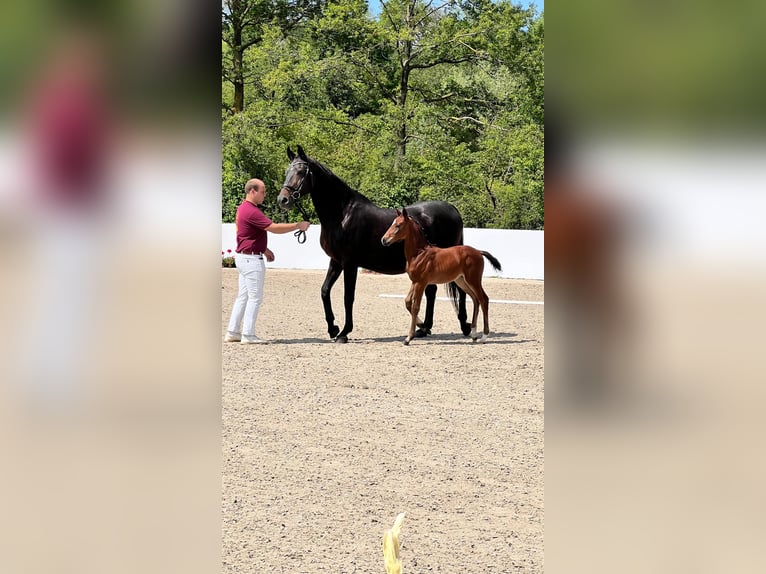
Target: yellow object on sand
point(391, 547)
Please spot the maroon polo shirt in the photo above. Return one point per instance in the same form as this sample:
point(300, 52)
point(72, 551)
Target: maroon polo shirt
point(71, 141)
point(251, 226)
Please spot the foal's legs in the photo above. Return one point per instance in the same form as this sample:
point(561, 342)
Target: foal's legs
point(475, 298)
point(415, 296)
point(333, 272)
point(485, 311)
point(424, 327)
point(408, 298)
point(422, 330)
point(479, 299)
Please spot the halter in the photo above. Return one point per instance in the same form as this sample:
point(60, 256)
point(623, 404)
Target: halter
point(295, 195)
point(295, 192)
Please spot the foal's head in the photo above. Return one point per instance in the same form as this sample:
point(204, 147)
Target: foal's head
point(402, 228)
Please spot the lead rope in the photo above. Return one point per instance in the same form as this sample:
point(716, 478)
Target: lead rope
point(296, 196)
point(300, 234)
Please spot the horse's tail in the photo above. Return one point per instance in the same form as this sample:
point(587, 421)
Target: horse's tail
point(495, 263)
point(454, 295)
point(452, 289)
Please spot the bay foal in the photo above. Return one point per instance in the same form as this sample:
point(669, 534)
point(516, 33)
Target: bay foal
point(428, 264)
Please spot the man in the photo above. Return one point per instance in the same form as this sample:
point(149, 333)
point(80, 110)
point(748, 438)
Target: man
point(252, 239)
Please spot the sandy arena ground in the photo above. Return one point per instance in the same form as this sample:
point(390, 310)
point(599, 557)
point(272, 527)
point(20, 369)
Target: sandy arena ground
point(323, 443)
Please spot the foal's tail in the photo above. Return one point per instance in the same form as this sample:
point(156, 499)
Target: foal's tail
point(495, 263)
point(454, 291)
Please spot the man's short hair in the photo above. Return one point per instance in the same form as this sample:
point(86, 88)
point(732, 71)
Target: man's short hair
point(251, 184)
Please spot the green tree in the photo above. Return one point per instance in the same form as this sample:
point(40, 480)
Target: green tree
point(426, 101)
point(422, 35)
point(243, 23)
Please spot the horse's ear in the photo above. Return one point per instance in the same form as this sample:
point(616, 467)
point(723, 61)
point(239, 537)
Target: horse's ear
point(301, 153)
point(290, 154)
point(404, 213)
point(398, 213)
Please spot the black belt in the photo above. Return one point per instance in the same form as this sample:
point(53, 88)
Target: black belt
point(250, 252)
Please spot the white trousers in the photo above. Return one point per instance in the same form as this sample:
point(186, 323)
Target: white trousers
point(64, 311)
point(252, 271)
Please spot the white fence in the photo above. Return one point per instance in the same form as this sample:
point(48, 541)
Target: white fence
point(519, 252)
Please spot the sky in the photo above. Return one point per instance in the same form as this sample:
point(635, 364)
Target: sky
point(539, 4)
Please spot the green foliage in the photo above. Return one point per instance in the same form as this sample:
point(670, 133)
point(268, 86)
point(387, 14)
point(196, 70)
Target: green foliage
point(414, 104)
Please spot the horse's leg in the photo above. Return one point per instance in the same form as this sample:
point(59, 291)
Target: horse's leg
point(469, 289)
point(424, 327)
point(349, 289)
point(417, 296)
point(458, 297)
point(462, 314)
point(333, 272)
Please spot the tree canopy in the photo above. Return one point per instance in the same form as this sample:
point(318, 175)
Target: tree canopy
point(426, 100)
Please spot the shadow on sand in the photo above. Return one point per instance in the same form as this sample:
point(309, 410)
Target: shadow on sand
point(445, 338)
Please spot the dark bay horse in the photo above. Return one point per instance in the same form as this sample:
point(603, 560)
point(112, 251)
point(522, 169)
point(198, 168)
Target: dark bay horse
point(351, 229)
point(428, 264)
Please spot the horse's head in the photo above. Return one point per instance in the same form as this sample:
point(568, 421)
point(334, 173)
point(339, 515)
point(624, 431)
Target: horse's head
point(399, 229)
point(298, 179)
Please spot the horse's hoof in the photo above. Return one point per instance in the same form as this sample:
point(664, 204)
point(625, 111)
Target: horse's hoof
point(422, 332)
point(333, 331)
point(406, 341)
point(466, 328)
point(341, 339)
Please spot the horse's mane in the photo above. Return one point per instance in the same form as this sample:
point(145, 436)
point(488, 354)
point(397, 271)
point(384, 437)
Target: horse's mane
point(345, 188)
point(422, 231)
point(422, 236)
